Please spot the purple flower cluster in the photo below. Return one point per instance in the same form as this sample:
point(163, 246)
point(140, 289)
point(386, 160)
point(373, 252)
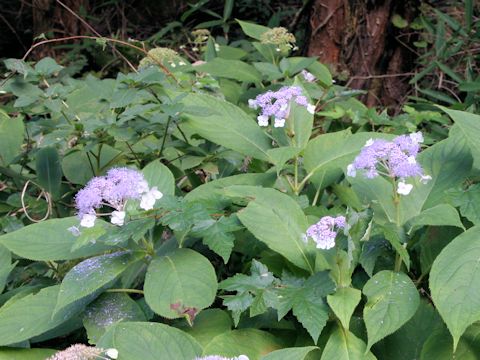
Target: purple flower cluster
point(323, 232)
point(218, 357)
point(395, 159)
point(113, 190)
point(277, 104)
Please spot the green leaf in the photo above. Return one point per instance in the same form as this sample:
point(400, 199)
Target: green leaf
point(396, 237)
point(470, 86)
point(31, 315)
point(230, 69)
point(250, 342)
point(208, 324)
point(150, 341)
point(25, 354)
point(279, 156)
point(49, 240)
point(91, 276)
point(80, 166)
point(180, 284)
point(49, 172)
point(455, 282)
point(467, 126)
point(294, 64)
point(157, 174)
point(297, 353)
point(321, 72)
point(227, 125)
point(277, 220)
point(399, 21)
point(343, 302)
point(439, 215)
point(468, 201)
point(5, 266)
point(109, 309)
point(392, 300)
point(300, 122)
point(47, 66)
point(11, 138)
point(343, 345)
point(408, 341)
point(253, 30)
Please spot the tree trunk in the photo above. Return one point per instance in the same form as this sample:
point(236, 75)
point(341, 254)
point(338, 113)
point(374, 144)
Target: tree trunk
point(359, 42)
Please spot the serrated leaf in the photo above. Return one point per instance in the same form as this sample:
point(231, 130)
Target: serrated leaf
point(297, 353)
point(392, 300)
point(180, 284)
point(455, 282)
point(11, 138)
point(343, 302)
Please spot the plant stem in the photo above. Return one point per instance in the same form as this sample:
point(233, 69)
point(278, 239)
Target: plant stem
point(131, 291)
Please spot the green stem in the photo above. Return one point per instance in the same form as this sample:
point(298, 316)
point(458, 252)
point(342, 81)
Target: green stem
point(165, 135)
point(296, 176)
point(131, 291)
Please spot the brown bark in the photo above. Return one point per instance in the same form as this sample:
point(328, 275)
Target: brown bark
point(358, 41)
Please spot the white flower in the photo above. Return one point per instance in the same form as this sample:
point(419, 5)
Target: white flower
point(217, 47)
point(118, 218)
point(411, 160)
point(425, 179)
point(417, 137)
point(351, 171)
point(403, 188)
point(112, 353)
point(369, 143)
point(283, 107)
point(88, 220)
point(311, 108)
point(252, 104)
point(279, 122)
point(262, 120)
point(325, 243)
point(142, 187)
point(182, 63)
point(278, 49)
point(243, 357)
point(172, 64)
point(74, 230)
point(148, 199)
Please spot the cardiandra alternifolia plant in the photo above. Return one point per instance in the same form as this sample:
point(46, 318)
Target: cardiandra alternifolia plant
point(241, 208)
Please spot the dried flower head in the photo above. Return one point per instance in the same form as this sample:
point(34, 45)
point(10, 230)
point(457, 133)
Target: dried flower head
point(278, 36)
point(200, 35)
point(159, 55)
point(325, 231)
point(84, 352)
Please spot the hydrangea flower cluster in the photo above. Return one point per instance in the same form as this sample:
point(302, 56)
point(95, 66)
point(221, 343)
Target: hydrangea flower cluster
point(395, 159)
point(113, 190)
point(83, 352)
point(277, 104)
point(325, 231)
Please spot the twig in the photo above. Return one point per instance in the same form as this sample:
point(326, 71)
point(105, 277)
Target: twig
point(24, 207)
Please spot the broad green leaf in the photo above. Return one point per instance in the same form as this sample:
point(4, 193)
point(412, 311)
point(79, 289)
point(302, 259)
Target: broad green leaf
point(439, 345)
point(150, 341)
point(253, 30)
point(157, 174)
point(439, 215)
point(392, 300)
point(343, 302)
point(455, 282)
point(107, 310)
point(49, 172)
point(31, 315)
point(397, 239)
point(49, 240)
point(11, 138)
point(432, 242)
point(300, 122)
point(321, 72)
point(297, 353)
point(180, 284)
point(5, 266)
point(91, 276)
point(227, 125)
point(343, 345)
point(279, 156)
point(80, 166)
point(208, 324)
point(468, 201)
point(294, 64)
point(25, 354)
point(230, 69)
point(250, 342)
point(277, 220)
point(327, 156)
point(408, 341)
point(47, 66)
point(467, 126)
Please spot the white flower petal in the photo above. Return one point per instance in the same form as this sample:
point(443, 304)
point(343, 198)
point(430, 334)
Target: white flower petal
point(369, 142)
point(424, 179)
point(417, 137)
point(118, 218)
point(88, 220)
point(411, 160)
point(279, 122)
point(311, 108)
point(403, 188)
point(112, 353)
point(351, 171)
point(155, 193)
point(262, 120)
